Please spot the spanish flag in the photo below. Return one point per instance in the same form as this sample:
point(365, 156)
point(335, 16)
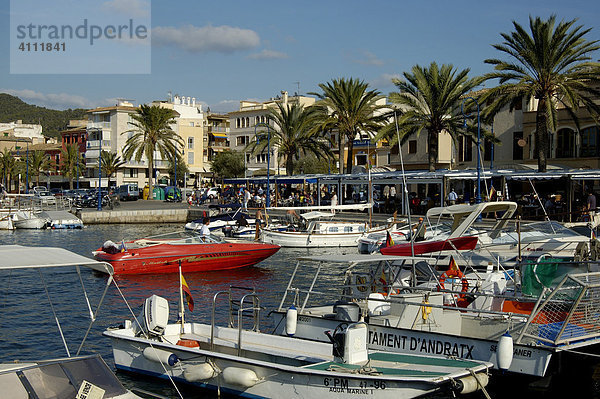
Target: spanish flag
point(452, 265)
point(593, 235)
point(388, 240)
point(188, 294)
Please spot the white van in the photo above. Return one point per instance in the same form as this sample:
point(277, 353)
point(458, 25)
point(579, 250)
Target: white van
point(128, 192)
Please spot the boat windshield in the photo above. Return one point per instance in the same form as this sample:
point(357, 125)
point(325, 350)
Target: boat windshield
point(66, 376)
point(180, 237)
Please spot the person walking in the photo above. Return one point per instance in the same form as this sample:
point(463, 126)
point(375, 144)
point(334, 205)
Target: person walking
point(452, 197)
point(247, 197)
point(334, 202)
point(591, 204)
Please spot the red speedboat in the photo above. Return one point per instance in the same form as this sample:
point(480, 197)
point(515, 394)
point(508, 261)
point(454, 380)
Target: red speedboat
point(162, 254)
point(425, 247)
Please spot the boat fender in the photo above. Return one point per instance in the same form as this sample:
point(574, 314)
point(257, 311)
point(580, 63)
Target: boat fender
point(471, 384)
point(199, 372)
point(160, 356)
point(291, 320)
point(505, 351)
point(239, 376)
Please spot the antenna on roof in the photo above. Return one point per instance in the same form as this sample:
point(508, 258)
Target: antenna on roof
point(298, 84)
point(170, 96)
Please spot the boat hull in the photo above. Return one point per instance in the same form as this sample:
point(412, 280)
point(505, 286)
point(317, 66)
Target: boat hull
point(296, 377)
point(526, 359)
point(165, 258)
point(424, 247)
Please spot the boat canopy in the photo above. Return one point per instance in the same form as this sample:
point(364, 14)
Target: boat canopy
point(21, 257)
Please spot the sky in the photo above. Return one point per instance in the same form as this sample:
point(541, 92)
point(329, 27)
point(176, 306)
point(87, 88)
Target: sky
point(222, 52)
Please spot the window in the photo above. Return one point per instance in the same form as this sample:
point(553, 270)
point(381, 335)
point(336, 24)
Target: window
point(589, 141)
point(487, 150)
point(347, 229)
point(190, 159)
point(131, 172)
point(242, 140)
point(412, 146)
point(465, 150)
point(333, 229)
point(237, 123)
point(517, 148)
point(191, 124)
point(190, 143)
point(257, 120)
point(565, 143)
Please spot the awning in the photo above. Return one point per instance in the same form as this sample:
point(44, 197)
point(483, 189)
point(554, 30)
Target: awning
point(220, 135)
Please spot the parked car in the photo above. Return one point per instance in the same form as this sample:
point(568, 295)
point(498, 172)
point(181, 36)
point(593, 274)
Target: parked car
point(45, 197)
point(212, 193)
point(128, 192)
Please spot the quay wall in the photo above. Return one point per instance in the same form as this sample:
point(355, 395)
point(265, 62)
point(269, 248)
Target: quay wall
point(136, 216)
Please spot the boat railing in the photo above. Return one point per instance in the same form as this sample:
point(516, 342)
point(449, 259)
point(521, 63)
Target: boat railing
point(255, 308)
point(238, 305)
point(566, 314)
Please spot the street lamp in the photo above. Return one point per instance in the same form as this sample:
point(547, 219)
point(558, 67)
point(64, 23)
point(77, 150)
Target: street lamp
point(268, 158)
point(100, 177)
point(478, 197)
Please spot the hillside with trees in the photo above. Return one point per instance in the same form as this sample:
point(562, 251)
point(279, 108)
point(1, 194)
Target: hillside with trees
point(13, 108)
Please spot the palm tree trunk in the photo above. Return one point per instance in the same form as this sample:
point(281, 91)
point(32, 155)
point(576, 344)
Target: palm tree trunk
point(350, 151)
point(432, 141)
point(289, 165)
point(340, 154)
point(541, 135)
point(151, 170)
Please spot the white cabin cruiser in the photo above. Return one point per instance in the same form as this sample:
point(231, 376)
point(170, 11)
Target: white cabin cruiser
point(544, 306)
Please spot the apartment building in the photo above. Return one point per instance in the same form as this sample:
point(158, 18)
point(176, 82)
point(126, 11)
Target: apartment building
point(243, 128)
point(108, 129)
point(216, 138)
point(189, 125)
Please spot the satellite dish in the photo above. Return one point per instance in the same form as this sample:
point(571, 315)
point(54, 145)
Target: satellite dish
point(521, 143)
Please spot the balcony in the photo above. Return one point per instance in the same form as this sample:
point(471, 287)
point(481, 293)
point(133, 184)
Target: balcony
point(98, 125)
point(95, 144)
point(217, 129)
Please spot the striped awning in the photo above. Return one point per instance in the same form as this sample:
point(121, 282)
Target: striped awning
point(220, 135)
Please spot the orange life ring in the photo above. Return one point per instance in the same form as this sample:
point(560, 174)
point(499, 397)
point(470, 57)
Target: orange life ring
point(455, 273)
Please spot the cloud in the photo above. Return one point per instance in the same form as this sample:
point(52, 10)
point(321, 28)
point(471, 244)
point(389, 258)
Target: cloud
point(384, 81)
point(225, 106)
point(369, 59)
point(220, 39)
point(268, 55)
point(135, 8)
point(53, 100)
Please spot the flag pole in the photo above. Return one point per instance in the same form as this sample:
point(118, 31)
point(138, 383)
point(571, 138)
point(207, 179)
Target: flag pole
point(181, 306)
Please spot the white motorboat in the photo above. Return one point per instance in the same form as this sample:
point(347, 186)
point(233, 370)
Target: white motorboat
point(29, 220)
point(444, 224)
point(258, 365)
point(546, 308)
point(6, 221)
point(75, 376)
point(319, 230)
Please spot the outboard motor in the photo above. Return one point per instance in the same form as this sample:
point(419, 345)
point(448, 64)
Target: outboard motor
point(155, 316)
point(350, 343)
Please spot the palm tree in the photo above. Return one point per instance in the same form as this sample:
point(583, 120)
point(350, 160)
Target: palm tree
point(152, 133)
point(8, 166)
point(293, 135)
point(348, 106)
point(70, 157)
point(429, 99)
point(111, 163)
point(550, 65)
point(38, 162)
